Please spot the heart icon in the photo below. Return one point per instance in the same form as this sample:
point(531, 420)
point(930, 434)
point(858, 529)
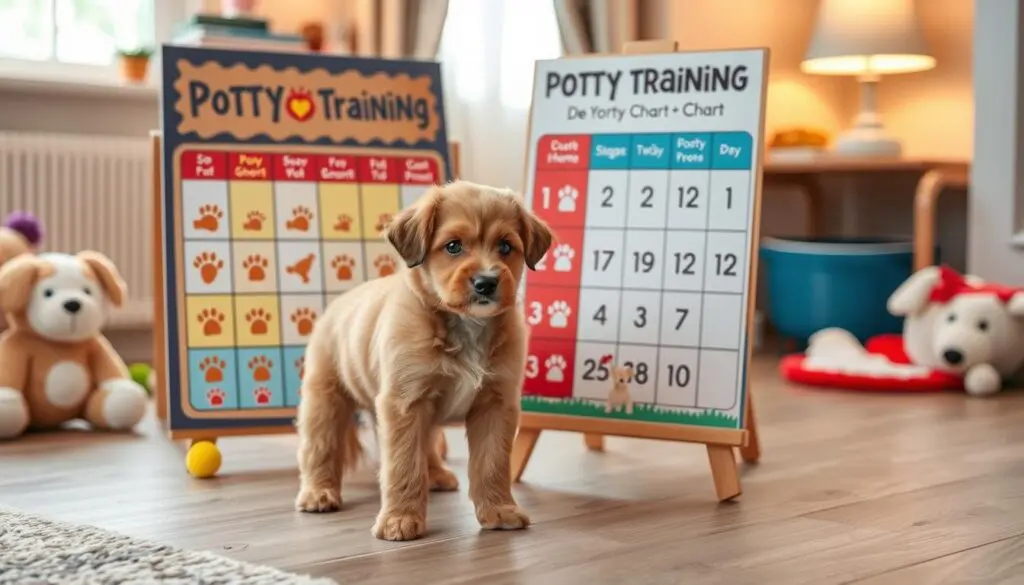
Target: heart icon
point(299, 105)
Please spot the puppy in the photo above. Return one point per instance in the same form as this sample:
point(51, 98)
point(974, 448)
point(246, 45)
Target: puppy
point(443, 340)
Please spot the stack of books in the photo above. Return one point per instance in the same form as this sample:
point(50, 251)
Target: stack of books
point(252, 34)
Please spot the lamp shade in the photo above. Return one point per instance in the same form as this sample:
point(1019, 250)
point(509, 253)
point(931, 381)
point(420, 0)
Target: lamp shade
point(866, 37)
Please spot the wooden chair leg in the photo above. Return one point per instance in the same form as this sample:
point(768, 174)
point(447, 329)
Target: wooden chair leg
point(926, 197)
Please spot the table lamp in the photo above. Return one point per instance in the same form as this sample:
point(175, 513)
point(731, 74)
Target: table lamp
point(868, 39)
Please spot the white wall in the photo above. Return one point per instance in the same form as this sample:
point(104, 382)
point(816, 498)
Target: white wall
point(995, 249)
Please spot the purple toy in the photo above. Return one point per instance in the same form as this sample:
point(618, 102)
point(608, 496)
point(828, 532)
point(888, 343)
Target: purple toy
point(27, 225)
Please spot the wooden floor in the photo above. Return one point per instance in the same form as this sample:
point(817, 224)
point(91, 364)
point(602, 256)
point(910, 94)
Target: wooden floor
point(870, 489)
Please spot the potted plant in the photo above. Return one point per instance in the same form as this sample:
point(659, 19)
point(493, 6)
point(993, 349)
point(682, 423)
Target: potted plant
point(135, 64)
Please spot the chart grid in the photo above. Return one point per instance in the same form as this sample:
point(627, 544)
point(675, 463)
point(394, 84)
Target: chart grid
point(652, 227)
point(269, 239)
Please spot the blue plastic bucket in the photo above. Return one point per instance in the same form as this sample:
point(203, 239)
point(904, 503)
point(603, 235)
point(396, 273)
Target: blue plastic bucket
point(814, 283)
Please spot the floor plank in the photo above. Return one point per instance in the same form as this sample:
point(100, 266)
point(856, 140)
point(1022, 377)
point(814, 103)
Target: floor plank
point(851, 487)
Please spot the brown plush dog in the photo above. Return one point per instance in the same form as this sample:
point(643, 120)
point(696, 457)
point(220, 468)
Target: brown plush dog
point(55, 365)
point(442, 341)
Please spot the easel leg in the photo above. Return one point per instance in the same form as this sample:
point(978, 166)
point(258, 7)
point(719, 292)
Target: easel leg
point(594, 441)
point(723, 471)
point(522, 448)
point(752, 452)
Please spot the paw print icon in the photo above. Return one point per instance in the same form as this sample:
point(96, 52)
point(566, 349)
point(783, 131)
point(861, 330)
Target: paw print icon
point(563, 254)
point(559, 312)
point(567, 196)
point(555, 365)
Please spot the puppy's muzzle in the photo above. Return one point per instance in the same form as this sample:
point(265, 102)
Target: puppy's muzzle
point(484, 285)
point(72, 307)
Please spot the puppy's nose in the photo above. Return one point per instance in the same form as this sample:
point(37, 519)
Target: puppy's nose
point(953, 356)
point(485, 285)
point(72, 307)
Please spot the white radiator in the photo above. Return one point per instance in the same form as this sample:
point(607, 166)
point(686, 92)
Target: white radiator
point(89, 193)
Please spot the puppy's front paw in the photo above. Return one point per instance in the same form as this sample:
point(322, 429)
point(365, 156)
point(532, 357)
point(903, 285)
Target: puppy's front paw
point(507, 517)
point(318, 500)
point(442, 480)
point(394, 526)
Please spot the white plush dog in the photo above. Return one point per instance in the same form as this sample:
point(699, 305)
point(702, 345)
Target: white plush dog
point(962, 325)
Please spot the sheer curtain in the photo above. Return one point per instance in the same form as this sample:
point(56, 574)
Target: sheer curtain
point(487, 55)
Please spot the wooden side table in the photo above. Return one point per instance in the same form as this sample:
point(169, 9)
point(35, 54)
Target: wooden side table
point(936, 176)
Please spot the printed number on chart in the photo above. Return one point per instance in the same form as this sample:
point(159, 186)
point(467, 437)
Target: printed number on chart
point(639, 372)
point(558, 311)
point(725, 264)
point(603, 259)
point(532, 366)
point(648, 193)
point(643, 261)
point(678, 376)
point(606, 196)
point(684, 262)
point(566, 195)
point(592, 370)
point(641, 318)
point(682, 313)
point(688, 197)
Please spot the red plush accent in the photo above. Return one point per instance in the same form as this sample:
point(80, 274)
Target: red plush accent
point(890, 345)
point(952, 283)
point(792, 370)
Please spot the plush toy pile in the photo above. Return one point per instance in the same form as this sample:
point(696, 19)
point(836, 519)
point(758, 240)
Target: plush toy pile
point(959, 333)
point(55, 364)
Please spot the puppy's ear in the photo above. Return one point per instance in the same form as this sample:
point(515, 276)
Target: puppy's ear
point(17, 278)
point(536, 237)
point(1016, 305)
point(912, 296)
point(411, 230)
point(110, 279)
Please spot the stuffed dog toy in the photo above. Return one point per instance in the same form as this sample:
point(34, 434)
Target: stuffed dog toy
point(962, 325)
point(20, 233)
point(441, 340)
point(55, 365)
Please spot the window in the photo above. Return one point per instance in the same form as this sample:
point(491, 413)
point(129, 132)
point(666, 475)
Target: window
point(81, 32)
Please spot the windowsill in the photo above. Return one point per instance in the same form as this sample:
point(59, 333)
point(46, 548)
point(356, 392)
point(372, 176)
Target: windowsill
point(1017, 240)
point(78, 80)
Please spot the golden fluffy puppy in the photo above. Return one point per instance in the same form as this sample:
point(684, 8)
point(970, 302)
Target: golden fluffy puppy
point(441, 341)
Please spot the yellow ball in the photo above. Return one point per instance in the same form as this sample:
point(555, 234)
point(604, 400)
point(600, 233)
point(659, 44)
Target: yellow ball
point(203, 459)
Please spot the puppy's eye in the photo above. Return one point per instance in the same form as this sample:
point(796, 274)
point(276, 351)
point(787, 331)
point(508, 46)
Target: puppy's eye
point(951, 317)
point(453, 247)
point(87, 291)
point(983, 325)
point(504, 248)
point(48, 293)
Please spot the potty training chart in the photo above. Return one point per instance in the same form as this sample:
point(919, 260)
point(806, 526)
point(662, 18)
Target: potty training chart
point(281, 172)
point(647, 167)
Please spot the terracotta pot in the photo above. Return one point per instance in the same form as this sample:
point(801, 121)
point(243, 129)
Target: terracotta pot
point(134, 69)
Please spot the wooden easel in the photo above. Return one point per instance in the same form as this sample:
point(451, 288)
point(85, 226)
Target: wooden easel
point(720, 443)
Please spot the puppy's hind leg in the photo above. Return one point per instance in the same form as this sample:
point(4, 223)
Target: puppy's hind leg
point(441, 478)
point(328, 437)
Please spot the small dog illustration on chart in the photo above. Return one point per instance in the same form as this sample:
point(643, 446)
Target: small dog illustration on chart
point(619, 396)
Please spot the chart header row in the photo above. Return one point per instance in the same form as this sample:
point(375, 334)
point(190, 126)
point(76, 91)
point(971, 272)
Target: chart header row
point(691, 150)
point(342, 168)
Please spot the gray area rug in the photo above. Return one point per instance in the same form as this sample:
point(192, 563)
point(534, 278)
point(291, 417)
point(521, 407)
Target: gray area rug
point(37, 551)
